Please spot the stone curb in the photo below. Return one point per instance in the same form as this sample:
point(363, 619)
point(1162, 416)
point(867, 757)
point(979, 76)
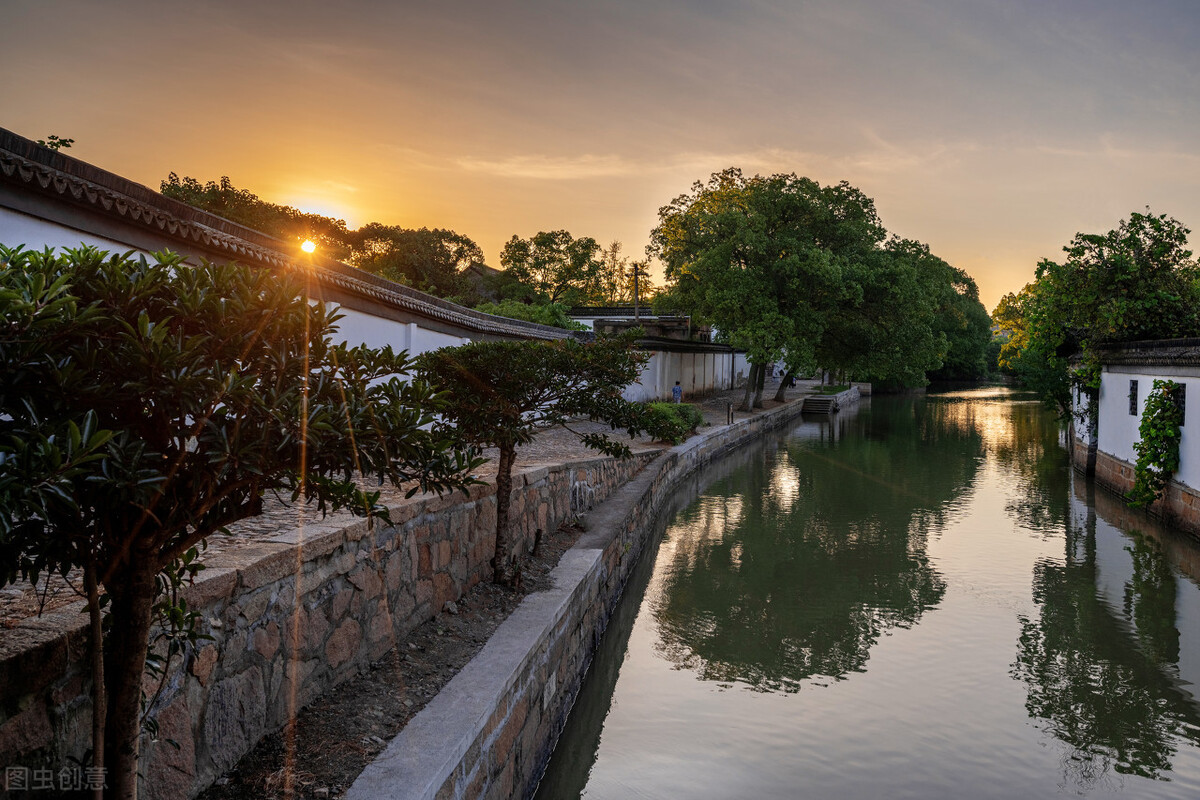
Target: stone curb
point(445, 751)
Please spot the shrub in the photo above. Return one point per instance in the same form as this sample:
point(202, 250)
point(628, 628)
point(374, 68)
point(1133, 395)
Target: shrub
point(1158, 448)
point(672, 422)
point(147, 404)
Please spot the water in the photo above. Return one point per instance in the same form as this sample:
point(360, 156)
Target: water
point(916, 600)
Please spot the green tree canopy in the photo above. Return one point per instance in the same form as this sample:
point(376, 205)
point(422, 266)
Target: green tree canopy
point(552, 267)
point(246, 208)
point(500, 394)
point(146, 404)
point(1137, 281)
point(429, 260)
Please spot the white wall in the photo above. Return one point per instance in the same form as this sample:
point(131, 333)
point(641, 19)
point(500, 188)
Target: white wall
point(698, 373)
point(17, 228)
point(1119, 428)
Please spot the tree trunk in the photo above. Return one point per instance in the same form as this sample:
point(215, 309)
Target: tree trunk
point(99, 696)
point(783, 384)
point(751, 380)
point(501, 559)
point(132, 590)
point(758, 387)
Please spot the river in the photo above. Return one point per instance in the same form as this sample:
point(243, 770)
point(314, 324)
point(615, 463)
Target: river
point(914, 599)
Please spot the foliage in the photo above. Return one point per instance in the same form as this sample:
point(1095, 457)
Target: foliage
point(56, 142)
point(146, 404)
point(615, 284)
point(500, 394)
point(672, 422)
point(1137, 281)
point(429, 260)
point(1158, 446)
point(744, 255)
point(554, 314)
point(553, 267)
point(245, 208)
point(786, 268)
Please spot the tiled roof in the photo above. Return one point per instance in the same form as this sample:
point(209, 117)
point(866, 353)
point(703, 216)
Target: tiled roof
point(27, 165)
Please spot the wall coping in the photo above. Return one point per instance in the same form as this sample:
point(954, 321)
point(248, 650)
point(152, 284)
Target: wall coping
point(427, 752)
point(67, 182)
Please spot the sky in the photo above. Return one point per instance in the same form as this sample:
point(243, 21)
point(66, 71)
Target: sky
point(992, 131)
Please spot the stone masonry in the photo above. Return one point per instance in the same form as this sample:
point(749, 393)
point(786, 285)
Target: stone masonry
point(290, 616)
point(490, 731)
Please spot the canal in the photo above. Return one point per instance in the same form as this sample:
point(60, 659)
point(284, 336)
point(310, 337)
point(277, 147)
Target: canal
point(915, 599)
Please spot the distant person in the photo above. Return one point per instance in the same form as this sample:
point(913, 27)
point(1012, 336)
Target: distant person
point(677, 393)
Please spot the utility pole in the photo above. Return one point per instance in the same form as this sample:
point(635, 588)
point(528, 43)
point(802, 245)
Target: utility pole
point(637, 270)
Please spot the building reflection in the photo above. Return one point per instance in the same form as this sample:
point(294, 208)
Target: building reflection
point(820, 551)
point(1111, 658)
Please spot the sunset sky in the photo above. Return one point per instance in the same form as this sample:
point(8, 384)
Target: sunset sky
point(993, 131)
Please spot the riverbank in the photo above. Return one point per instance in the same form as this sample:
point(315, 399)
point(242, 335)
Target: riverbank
point(490, 732)
point(297, 607)
point(343, 731)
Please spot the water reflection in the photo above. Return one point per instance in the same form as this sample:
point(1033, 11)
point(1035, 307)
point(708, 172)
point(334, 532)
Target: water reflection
point(793, 568)
point(887, 558)
point(1100, 660)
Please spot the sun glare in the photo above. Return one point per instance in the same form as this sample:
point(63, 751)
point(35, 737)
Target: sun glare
point(309, 246)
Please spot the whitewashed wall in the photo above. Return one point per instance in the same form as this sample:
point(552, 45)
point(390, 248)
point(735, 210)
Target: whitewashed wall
point(698, 373)
point(1114, 580)
point(1119, 428)
point(17, 228)
point(355, 327)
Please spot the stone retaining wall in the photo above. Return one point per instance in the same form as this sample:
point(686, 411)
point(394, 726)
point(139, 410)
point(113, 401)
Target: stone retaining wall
point(1179, 505)
point(291, 616)
point(490, 731)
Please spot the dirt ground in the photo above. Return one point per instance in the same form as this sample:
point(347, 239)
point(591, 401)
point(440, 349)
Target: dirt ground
point(333, 740)
point(339, 734)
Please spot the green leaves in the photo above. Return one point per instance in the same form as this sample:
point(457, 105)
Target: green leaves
point(1158, 447)
point(1137, 281)
point(153, 402)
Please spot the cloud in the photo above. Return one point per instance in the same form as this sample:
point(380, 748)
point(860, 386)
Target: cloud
point(554, 168)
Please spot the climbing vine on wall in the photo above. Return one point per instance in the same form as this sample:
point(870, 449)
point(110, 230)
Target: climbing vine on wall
point(1158, 450)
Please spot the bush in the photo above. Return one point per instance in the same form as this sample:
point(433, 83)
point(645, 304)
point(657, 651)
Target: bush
point(672, 422)
point(553, 314)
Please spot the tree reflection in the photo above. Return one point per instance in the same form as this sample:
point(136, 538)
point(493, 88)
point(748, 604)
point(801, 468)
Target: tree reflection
point(794, 569)
point(1101, 686)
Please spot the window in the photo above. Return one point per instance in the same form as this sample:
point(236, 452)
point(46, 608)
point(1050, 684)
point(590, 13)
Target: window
point(1133, 399)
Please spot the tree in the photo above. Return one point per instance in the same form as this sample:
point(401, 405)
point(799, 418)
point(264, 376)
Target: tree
point(429, 260)
point(1137, 281)
point(554, 314)
point(748, 255)
point(56, 142)
point(500, 394)
point(145, 405)
point(245, 208)
point(615, 279)
point(553, 267)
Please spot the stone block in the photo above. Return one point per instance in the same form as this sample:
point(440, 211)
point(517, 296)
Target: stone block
point(367, 580)
point(170, 771)
point(443, 590)
point(214, 584)
point(25, 732)
point(203, 663)
point(424, 592)
point(341, 602)
point(343, 644)
point(265, 640)
point(233, 717)
point(502, 750)
point(265, 563)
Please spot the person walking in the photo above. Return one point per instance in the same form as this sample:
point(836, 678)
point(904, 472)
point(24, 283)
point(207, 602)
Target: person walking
point(677, 393)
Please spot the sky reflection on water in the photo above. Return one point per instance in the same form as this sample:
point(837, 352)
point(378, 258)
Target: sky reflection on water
point(914, 600)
